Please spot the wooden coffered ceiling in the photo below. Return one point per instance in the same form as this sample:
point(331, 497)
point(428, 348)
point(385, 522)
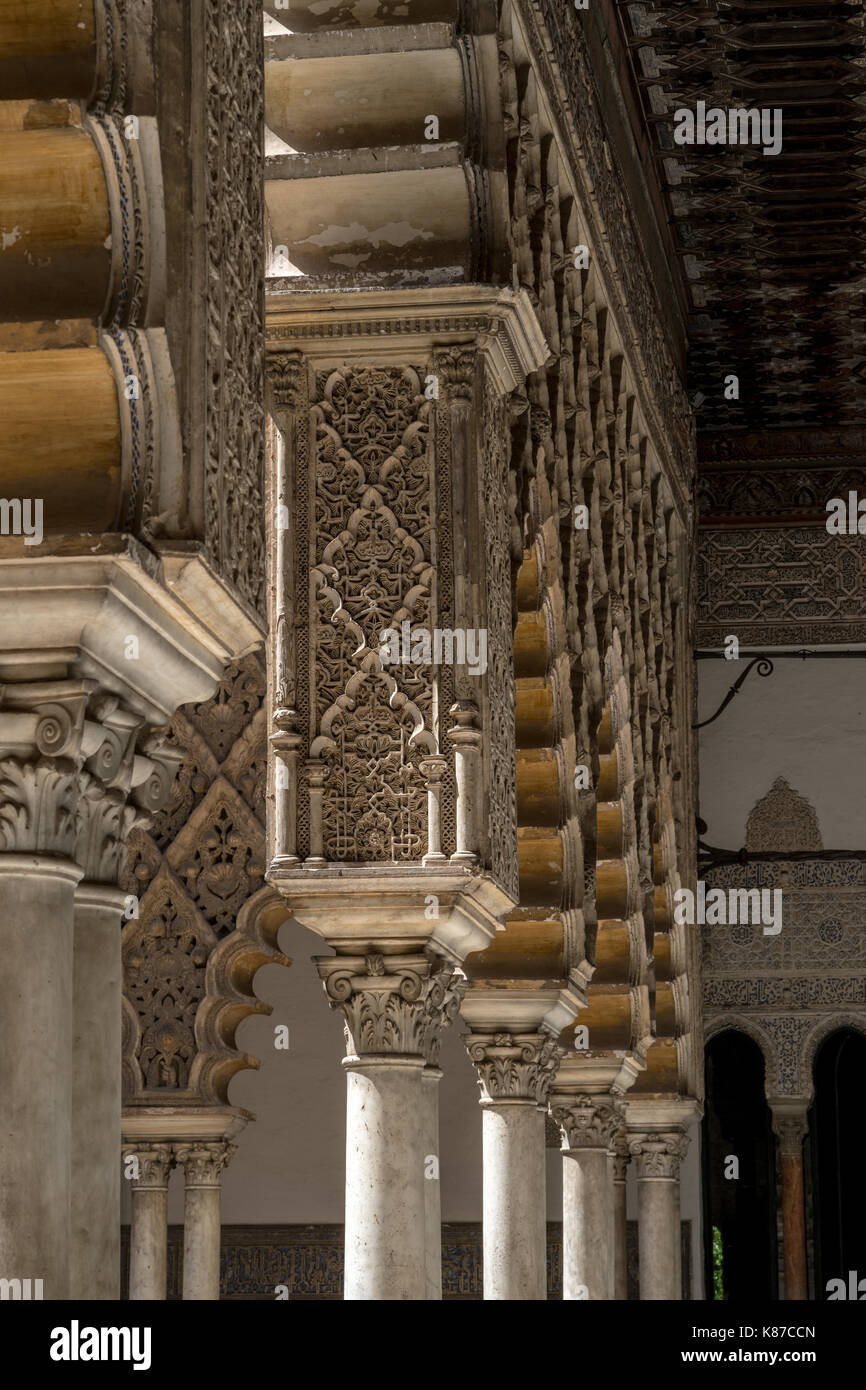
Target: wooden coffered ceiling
point(771, 249)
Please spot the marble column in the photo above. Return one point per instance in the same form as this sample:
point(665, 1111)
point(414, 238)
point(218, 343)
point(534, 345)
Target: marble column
point(394, 1005)
point(621, 1159)
point(148, 1233)
point(96, 1093)
point(790, 1127)
point(203, 1165)
point(515, 1072)
point(430, 1078)
point(588, 1124)
point(36, 926)
point(658, 1157)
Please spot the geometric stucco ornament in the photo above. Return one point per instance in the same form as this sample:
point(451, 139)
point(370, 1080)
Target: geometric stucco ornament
point(783, 820)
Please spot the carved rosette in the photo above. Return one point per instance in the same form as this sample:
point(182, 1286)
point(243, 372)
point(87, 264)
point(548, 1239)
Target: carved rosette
point(514, 1066)
point(203, 1164)
point(587, 1122)
point(154, 1163)
point(658, 1155)
point(393, 1005)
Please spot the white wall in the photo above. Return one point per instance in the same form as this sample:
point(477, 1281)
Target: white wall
point(806, 722)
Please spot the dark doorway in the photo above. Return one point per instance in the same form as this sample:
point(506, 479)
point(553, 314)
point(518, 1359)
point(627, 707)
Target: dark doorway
point(836, 1139)
point(739, 1211)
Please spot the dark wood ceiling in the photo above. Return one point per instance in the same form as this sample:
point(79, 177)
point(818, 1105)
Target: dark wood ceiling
point(772, 249)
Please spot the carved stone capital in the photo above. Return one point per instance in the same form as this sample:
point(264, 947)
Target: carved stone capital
point(287, 374)
point(587, 1122)
point(394, 1005)
point(445, 992)
point(621, 1156)
point(455, 366)
point(514, 1066)
point(465, 731)
point(153, 1164)
point(203, 1164)
point(790, 1130)
point(658, 1155)
point(68, 764)
point(37, 806)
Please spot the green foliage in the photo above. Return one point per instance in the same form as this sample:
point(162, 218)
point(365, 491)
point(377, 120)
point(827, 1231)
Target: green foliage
point(718, 1266)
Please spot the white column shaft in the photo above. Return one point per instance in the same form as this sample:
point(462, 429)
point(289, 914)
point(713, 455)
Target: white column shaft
point(659, 1237)
point(148, 1238)
point(620, 1217)
point(386, 1255)
point(36, 931)
point(515, 1201)
point(94, 1267)
point(201, 1242)
point(430, 1078)
point(588, 1230)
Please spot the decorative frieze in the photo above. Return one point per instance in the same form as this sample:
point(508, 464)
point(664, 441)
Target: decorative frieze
point(260, 1262)
point(230, 86)
point(780, 586)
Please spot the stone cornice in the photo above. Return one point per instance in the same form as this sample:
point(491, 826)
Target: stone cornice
point(76, 605)
point(390, 325)
point(181, 1122)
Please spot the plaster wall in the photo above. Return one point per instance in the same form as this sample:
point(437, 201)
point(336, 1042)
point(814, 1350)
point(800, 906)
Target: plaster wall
point(806, 722)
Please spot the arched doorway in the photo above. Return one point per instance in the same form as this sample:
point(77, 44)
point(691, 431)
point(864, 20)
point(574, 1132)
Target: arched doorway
point(739, 1197)
point(835, 1129)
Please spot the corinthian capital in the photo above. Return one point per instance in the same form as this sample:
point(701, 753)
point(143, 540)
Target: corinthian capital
point(621, 1156)
point(393, 1005)
point(514, 1066)
point(69, 766)
point(151, 1166)
point(203, 1164)
point(658, 1155)
point(790, 1129)
point(587, 1122)
point(287, 373)
point(445, 992)
point(37, 807)
point(456, 367)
